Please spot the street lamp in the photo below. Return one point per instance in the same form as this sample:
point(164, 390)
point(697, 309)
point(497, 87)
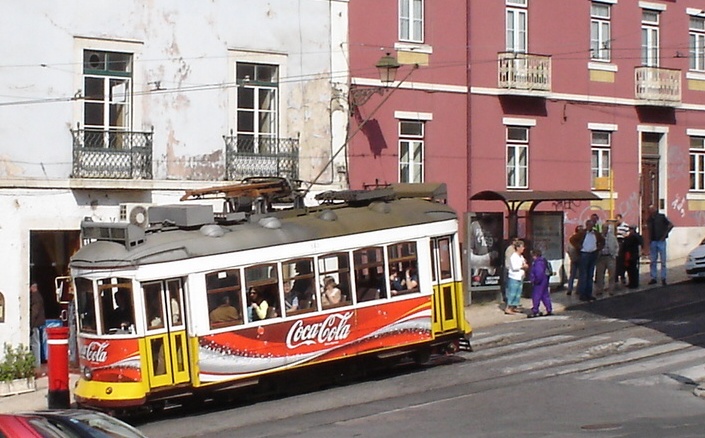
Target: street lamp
point(387, 67)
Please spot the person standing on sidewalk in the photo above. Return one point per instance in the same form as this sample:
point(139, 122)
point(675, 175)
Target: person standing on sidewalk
point(37, 319)
point(589, 243)
point(574, 256)
point(539, 275)
point(659, 226)
point(607, 261)
point(622, 231)
point(517, 270)
point(631, 249)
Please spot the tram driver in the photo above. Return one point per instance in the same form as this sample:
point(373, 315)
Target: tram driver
point(123, 316)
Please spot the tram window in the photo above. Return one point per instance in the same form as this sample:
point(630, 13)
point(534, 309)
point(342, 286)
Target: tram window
point(175, 304)
point(85, 305)
point(116, 306)
point(154, 305)
point(403, 273)
point(370, 281)
point(224, 298)
point(444, 258)
point(299, 285)
point(263, 292)
point(334, 270)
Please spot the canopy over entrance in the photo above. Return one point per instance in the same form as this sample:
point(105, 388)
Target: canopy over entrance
point(515, 199)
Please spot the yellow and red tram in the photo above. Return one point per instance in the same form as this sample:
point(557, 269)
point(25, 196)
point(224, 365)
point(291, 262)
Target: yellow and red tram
point(202, 301)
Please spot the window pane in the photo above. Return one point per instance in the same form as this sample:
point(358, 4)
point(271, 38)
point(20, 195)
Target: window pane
point(223, 292)
point(85, 305)
point(517, 134)
point(601, 138)
point(411, 128)
point(245, 72)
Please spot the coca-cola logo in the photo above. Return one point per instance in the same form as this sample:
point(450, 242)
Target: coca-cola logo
point(95, 351)
point(334, 328)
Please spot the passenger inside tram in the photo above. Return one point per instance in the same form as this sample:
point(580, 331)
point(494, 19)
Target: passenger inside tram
point(304, 288)
point(331, 294)
point(258, 305)
point(225, 312)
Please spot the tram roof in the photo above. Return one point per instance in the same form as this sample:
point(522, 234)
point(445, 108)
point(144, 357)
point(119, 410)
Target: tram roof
point(267, 230)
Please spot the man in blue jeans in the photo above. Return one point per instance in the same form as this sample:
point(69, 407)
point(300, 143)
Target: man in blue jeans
point(659, 226)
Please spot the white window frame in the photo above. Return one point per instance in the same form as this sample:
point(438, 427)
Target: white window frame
point(650, 37)
point(697, 163)
point(600, 155)
point(411, 152)
point(600, 31)
point(696, 39)
point(517, 157)
point(411, 21)
point(516, 29)
point(113, 100)
point(258, 88)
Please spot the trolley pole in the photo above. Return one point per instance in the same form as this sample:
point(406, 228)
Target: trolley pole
point(59, 396)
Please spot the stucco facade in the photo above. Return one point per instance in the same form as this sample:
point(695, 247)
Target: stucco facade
point(176, 92)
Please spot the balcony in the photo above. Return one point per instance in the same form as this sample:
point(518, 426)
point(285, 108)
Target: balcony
point(524, 71)
point(249, 156)
point(112, 154)
point(658, 86)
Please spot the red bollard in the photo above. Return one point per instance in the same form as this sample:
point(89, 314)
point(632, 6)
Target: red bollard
point(59, 396)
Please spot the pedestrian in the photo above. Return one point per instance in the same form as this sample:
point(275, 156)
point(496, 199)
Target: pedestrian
point(659, 226)
point(607, 261)
point(539, 274)
point(574, 257)
point(589, 243)
point(507, 255)
point(631, 249)
point(596, 222)
point(37, 321)
point(517, 271)
point(622, 231)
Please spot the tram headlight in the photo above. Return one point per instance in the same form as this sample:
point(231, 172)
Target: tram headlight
point(87, 373)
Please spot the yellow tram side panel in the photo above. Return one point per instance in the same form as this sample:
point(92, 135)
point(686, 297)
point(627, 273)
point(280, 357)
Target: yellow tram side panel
point(463, 326)
point(193, 349)
point(117, 393)
point(463, 323)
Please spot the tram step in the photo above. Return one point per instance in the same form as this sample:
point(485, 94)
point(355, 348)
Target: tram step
point(464, 344)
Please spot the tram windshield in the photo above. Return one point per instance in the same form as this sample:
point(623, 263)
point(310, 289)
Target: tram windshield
point(113, 303)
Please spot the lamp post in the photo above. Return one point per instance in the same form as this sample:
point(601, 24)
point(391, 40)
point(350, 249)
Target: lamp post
point(358, 95)
point(387, 67)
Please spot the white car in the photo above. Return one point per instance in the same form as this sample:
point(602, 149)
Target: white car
point(695, 263)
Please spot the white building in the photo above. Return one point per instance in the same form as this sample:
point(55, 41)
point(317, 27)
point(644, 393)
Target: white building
point(128, 103)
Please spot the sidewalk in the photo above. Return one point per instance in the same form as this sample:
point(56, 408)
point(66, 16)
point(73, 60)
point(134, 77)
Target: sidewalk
point(479, 315)
point(491, 313)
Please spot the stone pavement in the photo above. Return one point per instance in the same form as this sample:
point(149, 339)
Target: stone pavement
point(479, 315)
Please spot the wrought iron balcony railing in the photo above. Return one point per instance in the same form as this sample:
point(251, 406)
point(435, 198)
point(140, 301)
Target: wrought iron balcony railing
point(524, 71)
point(249, 156)
point(112, 154)
point(658, 86)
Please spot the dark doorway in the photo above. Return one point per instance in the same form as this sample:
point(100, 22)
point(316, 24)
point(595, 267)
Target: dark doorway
point(50, 252)
point(650, 179)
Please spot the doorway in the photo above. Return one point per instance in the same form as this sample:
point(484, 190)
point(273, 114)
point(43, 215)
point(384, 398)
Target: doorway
point(650, 184)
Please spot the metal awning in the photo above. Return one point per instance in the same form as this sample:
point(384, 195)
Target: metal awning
point(515, 199)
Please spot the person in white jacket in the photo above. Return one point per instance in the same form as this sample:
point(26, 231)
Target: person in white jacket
point(515, 281)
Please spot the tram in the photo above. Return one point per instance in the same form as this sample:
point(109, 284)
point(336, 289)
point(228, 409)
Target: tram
point(199, 302)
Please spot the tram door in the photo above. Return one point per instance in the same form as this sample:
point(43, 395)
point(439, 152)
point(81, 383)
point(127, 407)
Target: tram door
point(445, 289)
point(166, 343)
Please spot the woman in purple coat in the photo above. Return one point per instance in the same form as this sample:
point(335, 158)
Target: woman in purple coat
point(538, 275)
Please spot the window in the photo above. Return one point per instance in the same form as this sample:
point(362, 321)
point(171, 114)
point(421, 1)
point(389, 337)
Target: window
point(697, 163)
point(517, 157)
point(299, 286)
point(411, 21)
point(262, 292)
point(107, 89)
point(600, 32)
point(154, 307)
point(116, 306)
point(85, 305)
point(411, 151)
point(600, 150)
point(650, 38)
point(369, 274)
point(257, 107)
point(223, 291)
point(516, 27)
point(334, 273)
point(697, 43)
point(403, 274)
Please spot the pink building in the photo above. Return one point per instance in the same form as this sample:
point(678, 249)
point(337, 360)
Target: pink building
point(602, 96)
